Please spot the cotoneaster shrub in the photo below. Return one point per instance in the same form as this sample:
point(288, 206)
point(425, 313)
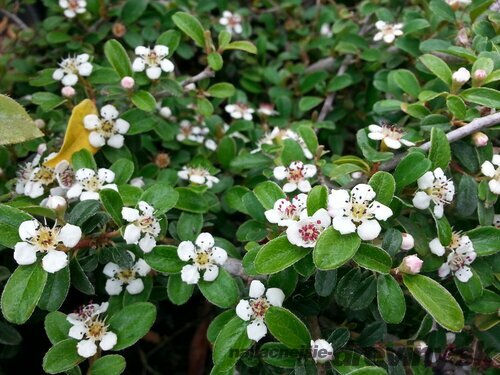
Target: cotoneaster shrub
point(320, 178)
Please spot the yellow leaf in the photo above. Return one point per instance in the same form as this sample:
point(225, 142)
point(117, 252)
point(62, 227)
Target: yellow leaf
point(77, 137)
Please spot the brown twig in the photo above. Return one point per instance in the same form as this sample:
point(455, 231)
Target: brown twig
point(14, 18)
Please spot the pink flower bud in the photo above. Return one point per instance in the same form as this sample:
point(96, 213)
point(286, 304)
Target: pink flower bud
point(68, 91)
point(411, 265)
point(408, 242)
point(479, 139)
point(39, 123)
point(127, 83)
point(480, 74)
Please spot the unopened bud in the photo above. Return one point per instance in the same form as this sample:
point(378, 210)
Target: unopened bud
point(450, 338)
point(39, 123)
point(42, 147)
point(479, 139)
point(461, 76)
point(420, 347)
point(56, 203)
point(411, 265)
point(165, 112)
point(162, 160)
point(68, 91)
point(321, 351)
point(119, 29)
point(127, 83)
point(480, 74)
point(356, 175)
point(137, 182)
point(408, 242)
point(190, 87)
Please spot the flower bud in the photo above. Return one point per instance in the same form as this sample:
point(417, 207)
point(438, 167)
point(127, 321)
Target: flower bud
point(190, 87)
point(127, 83)
point(479, 139)
point(420, 347)
point(68, 91)
point(408, 242)
point(461, 76)
point(450, 338)
point(165, 112)
point(356, 175)
point(137, 182)
point(56, 203)
point(39, 123)
point(411, 265)
point(42, 147)
point(480, 74)
point(119, 29)
point(321, 351)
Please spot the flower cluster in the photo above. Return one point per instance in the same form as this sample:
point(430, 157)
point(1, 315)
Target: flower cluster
point(88, 183)
point(434, 187)
point(296, 175)
point(461, 254)
point(106, 130)
point(144, 227)
point(153, 61)
point(130, 276)
point(71, 68)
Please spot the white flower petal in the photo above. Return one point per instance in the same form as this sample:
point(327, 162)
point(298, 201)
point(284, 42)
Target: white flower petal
point(211, 273)
point(243, 310)
point(113, 287)
point(130, 214)
point(343, 224)
point(421, 200)
point(257, 289)
point(280, 173)
point(86, 348)
point(205, 241)
point(132, 234)
point(304, 186)
point(369, 230)
point(436, 247)
point(77, 331)
point(70, 235)
point(89, 196)
point(28, 229)
point(463, 274)
point(108, 341)
point(167, 65)
point(135, 286)
point(70, 79)
point(219, 255)
point(142, 268)
point(24, 253)
point(275, 296)
point(426, 181)
point(54, 261)
point(139, 64)
point(111, 269)
point(256, 330)
point(190, 274)
point(116, 141)
point(444, 270)
point(186, 250)
point(392, 143)
point(147, 243)
point(153, 72)
point(122, 126)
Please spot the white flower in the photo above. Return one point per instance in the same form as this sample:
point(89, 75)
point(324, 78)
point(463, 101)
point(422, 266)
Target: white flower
point(455, 4)
point(458, 242)
point(40, 177)
point(390, 135)
point(358, 212)
point(198, 175)
point(388, 32)
point(106, 130)
point(434, 187)
point(65, 175)
point(457, 263)
point(305, 232)
point(296, 175)
point(461, 76)
point(232, 21)
point(254, 309)
point(49, 241)
point(24, 174)
point(282, 134)
point(240, 111)
point(89, 327)
point(89, 183)
point(326, 30)
point(143, 228)
point(191, 133)
point(73, 7)
point(131, 277)
point(267, 109)
point(153, 61)
point(492, 169)
point(285, 212)
point(321, 351)
point(203, 256)
point(72, 67)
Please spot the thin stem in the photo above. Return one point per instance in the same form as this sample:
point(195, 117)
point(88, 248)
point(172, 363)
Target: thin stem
point(14, 18)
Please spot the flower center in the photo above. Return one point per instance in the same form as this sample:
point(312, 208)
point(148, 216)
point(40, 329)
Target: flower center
point(295, 175)
point(73, 4)
point(46, 239)
point(126, 275)
point(202, 259)
point(152, 59)
point(69, 66)
point(259, 307)
point(309, 232)
point(92, 183)
point(359, 212)
point(147, 223)
point(439, 191)
point(393, 132)
point(107, 128)
point(45, 175)
point(96, 329)
point(457, 262)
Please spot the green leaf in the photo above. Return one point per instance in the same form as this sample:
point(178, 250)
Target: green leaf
point(278, 254)
point(467, 196)
point(440, 152)
point(204, 106)
point(443, 10)
point(222, 292)
point(113, 364)
point(324, 282)
point(317, 199)
point(242, 45)
point(347, 361)
point(190, 26)
point(221, 90)
point(118, 58)
point(456, 106)
point(79, 278)
point(410, 169)
point(189, 226)
point(215, 61)
point(356, 289)
point(486, 240)
point(309, 136)
point(384, 186)
point(171, 39)
point(112, 202)
point(190, 201)
point(309, 102)
point(488, 303)
point(443, 229)
point(369, 370)
point(9, 335)
point(218, 324)
point(436, 300)
point(230, 344)
point(340, 82)
point(131, 11)
point(406, 81)
point(56, 326)
point(144, 101)
point(55, 290)
point(483, 96)
point(47, 101)
point(161, 196)
point(373, 258)
point(10, 220)
point(15, 124)
point(285, 359)
point(471, 290)
point(61, 357)
point(178, 291)
point(226, 151)
point(268, 193)
point(123, 169)
point(368, 151)
point(22, 292)
point(334, 249)
point(83, 159)
point(287, 328)
point(131, 323)
point(390, 299)
point(438, 67)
